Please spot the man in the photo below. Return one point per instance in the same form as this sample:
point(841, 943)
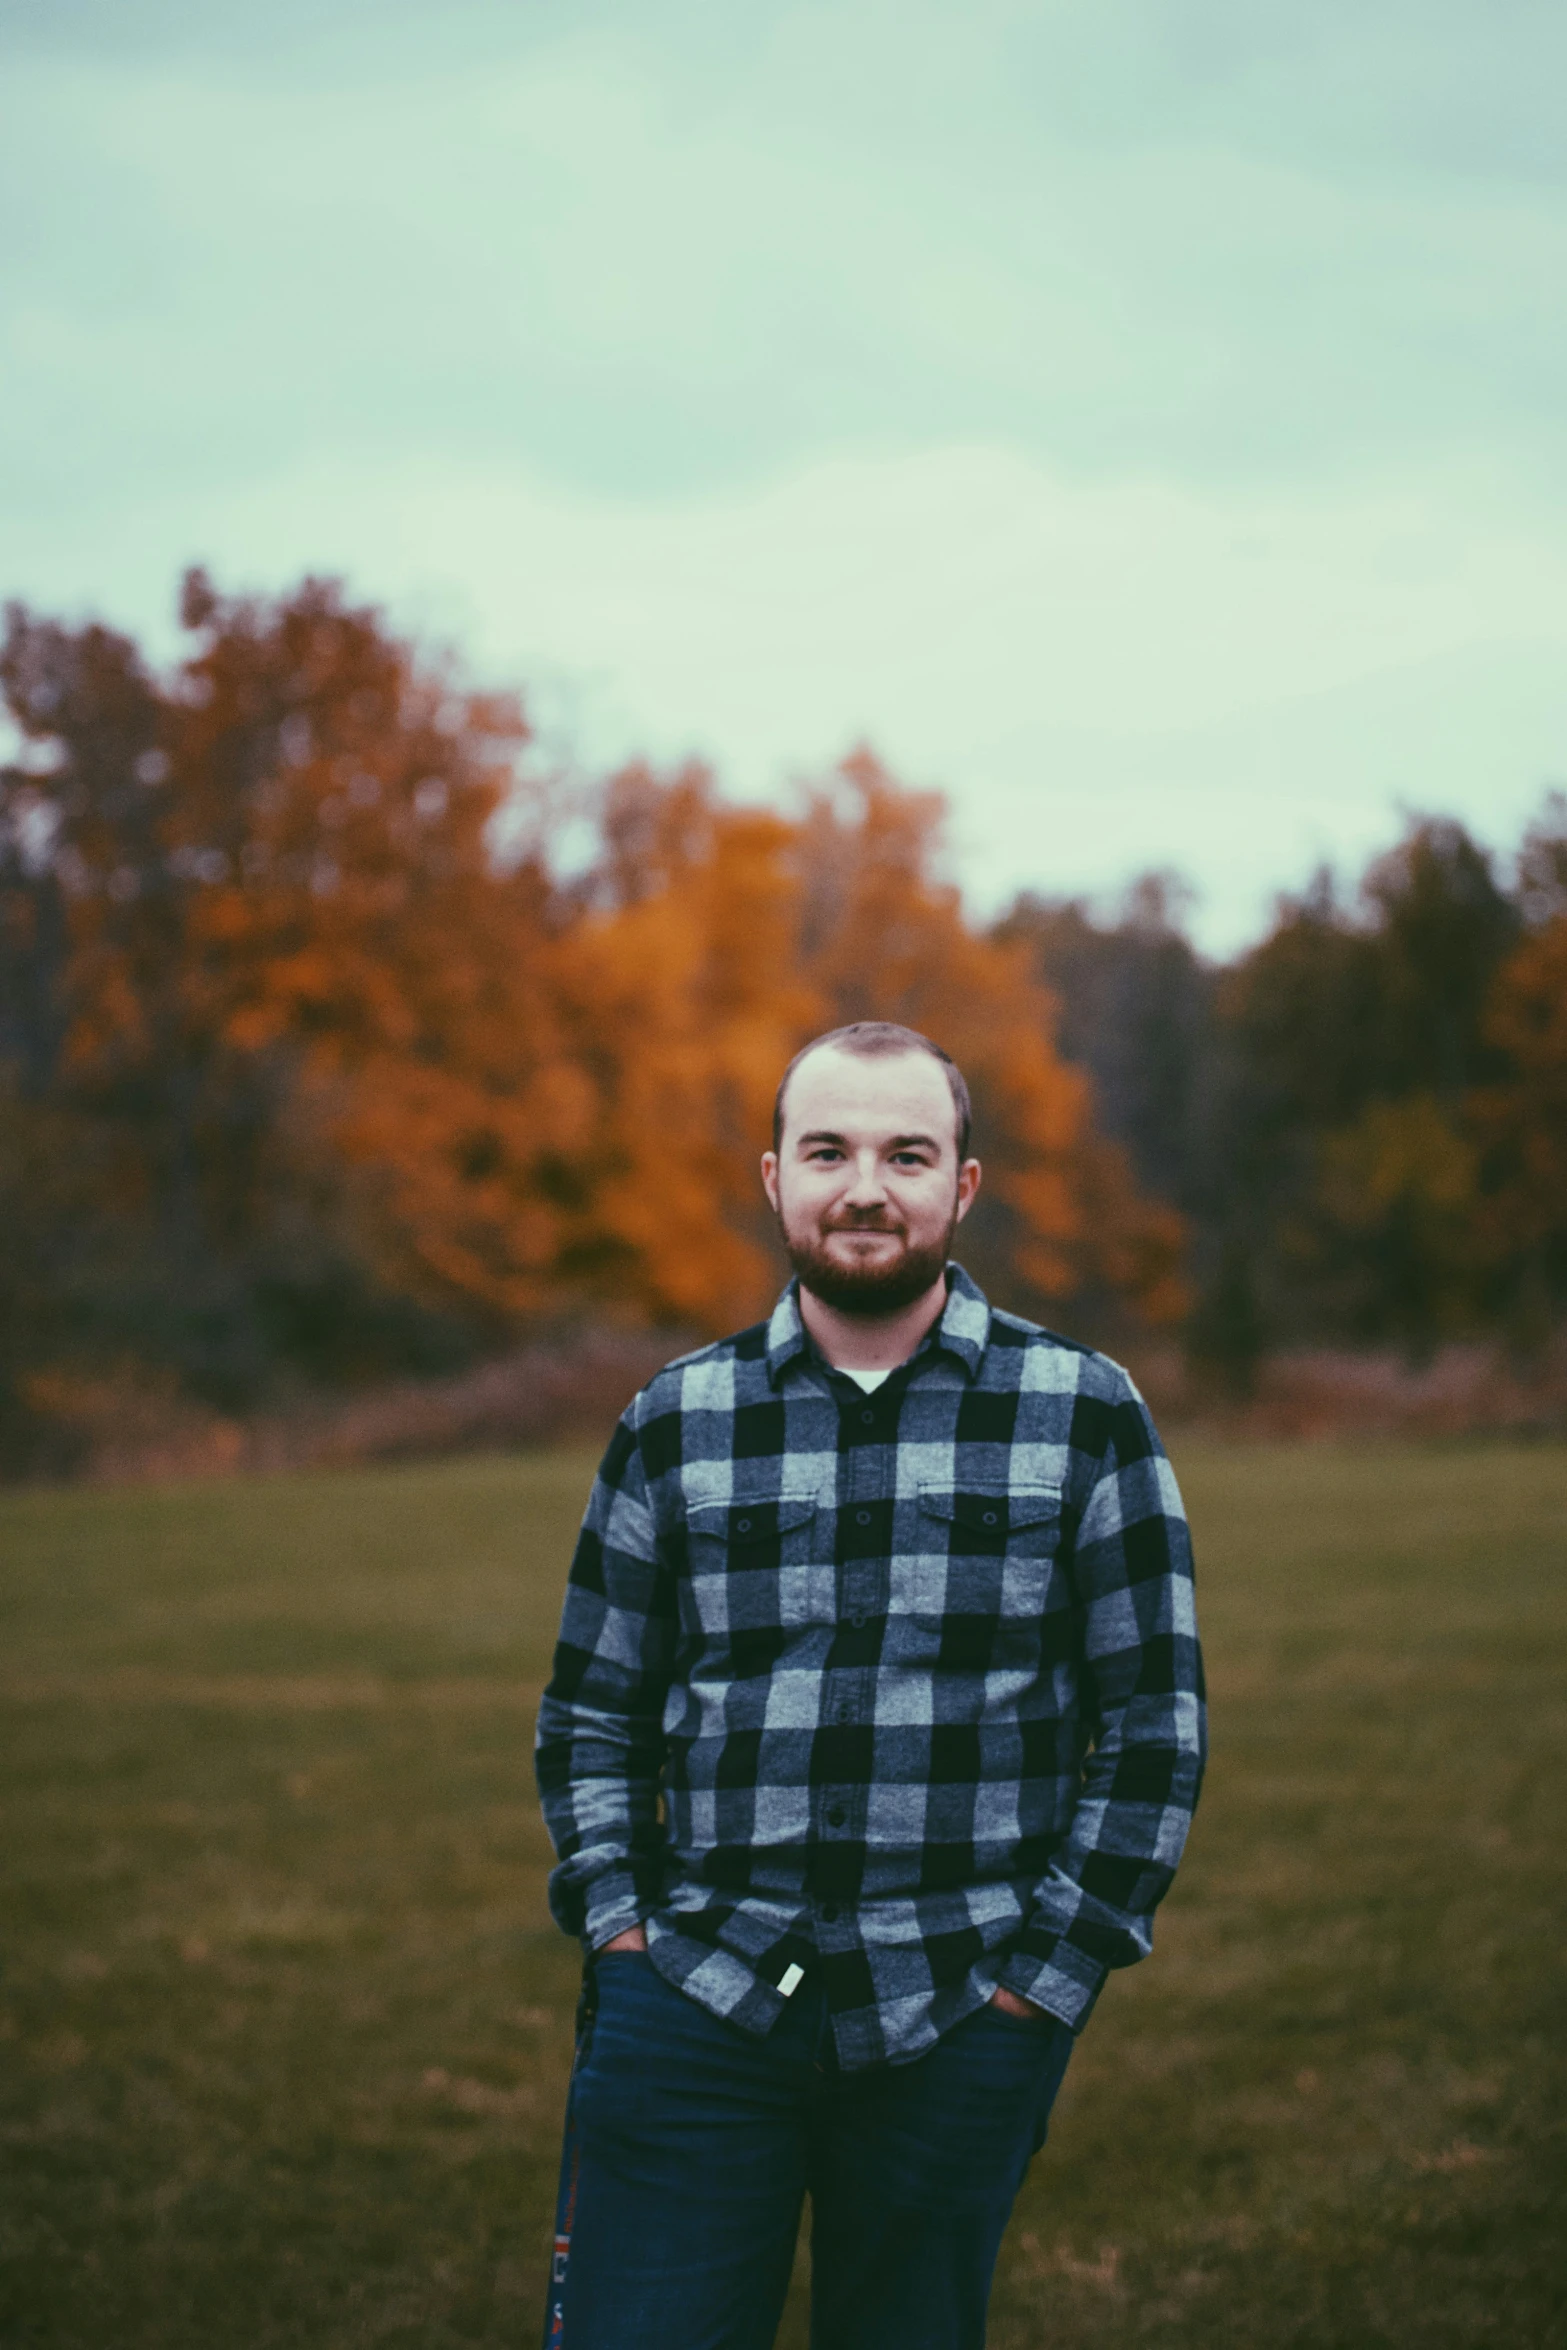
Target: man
point(874, 1733)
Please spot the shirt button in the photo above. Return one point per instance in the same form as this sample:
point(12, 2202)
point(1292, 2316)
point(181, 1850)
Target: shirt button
point(829, 1912)
point(862, 1517)
point(867, 1417)
point(743, 1525)
point(844, 1713)
point(837, 1816)
point(857, 1620)
point(990, 1518)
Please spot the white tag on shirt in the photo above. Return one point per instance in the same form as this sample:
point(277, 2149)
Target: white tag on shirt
point(790, 1980)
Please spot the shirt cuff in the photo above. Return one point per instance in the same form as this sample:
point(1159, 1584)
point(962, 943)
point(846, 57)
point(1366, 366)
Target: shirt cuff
point(1065, 1994)
point(614, 1906)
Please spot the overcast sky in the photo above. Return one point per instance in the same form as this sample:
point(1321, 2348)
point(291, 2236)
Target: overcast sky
point(1143, 420)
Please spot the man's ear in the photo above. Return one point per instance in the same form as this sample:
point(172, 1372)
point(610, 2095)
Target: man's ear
point(770, 1178)
point(968, 1184)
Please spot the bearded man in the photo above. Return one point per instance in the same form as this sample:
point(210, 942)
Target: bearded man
point(875, 1730)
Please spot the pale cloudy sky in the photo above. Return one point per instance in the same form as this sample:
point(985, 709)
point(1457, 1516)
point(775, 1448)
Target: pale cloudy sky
point(1144, 419)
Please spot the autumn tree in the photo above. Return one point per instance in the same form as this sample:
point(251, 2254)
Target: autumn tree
point(716, 941)
point(259, 944)
point(1060, 1224)
point(685, 1000)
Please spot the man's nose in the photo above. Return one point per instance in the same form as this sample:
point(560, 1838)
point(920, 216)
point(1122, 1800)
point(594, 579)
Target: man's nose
point(867, 1188)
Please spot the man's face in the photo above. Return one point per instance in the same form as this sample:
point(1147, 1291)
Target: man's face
point(866, 1184)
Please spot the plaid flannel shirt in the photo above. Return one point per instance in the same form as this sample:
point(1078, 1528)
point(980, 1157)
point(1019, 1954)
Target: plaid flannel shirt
point(901, 1685)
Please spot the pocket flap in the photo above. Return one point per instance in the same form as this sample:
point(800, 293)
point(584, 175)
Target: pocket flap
point(740, 1522)
point(1006, 1510)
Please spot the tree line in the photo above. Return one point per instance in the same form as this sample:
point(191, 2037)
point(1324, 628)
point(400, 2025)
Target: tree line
point(1363, 1118)
point(321, 1061)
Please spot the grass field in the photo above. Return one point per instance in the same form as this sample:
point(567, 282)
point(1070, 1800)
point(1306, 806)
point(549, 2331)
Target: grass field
point(284, 2026)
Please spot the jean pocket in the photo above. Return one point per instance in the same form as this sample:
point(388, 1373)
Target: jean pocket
point(612, 1962)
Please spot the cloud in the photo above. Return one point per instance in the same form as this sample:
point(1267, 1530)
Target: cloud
point(1145, 420)
point(646, 257)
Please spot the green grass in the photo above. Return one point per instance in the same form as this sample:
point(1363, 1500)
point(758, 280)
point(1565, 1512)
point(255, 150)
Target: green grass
point(284, 2026)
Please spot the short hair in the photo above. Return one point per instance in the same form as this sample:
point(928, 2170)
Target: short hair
point(875, 1040)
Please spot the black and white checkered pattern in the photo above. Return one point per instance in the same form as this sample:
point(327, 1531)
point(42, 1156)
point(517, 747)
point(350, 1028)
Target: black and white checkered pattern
point(902, 1685)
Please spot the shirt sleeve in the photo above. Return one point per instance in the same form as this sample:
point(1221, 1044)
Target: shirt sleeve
point(600, 1744)
point(1141, 1689)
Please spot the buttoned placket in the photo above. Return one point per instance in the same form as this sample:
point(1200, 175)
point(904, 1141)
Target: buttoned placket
point(867, 1482)
point(867, 1454)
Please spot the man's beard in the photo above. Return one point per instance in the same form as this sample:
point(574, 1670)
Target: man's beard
point(870, 1290)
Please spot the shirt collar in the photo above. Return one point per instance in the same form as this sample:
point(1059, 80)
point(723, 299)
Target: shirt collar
point(962, 1330)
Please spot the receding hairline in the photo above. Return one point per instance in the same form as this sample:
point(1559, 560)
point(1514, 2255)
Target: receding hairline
point(881, 1040)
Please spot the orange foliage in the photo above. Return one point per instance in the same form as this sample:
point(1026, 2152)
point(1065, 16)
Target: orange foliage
point(687, 1004)
point(1059, 1216)
point(324, 906)
point(301, 974)
point(733, 937)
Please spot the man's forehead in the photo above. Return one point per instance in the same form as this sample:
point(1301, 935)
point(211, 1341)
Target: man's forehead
point(887, 1092)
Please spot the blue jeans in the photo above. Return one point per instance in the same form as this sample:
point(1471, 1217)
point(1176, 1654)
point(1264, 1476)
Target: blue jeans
point(691, 2146)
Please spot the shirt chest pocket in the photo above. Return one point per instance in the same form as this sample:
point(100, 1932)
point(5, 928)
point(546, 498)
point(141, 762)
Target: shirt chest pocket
point(986, 1552)
point(752, 1579)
